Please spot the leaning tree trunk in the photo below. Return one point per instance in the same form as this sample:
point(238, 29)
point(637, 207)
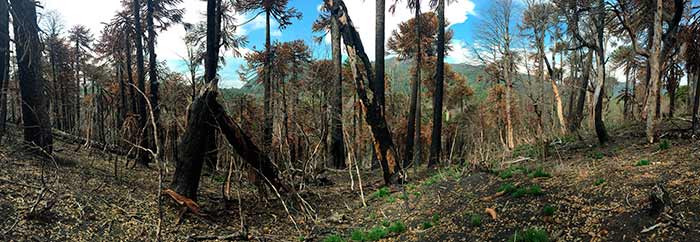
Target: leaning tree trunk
point(436, 137)
point(35, 101)
point(205, 114)
point(577, 116)
point(362, 72)
point(557, 97)
point(600, 83)
point(655, 64)
point(337, 138)
point(211, 63)
point(4, 62)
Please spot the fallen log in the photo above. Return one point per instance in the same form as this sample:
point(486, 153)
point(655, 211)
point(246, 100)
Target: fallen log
point(69, 138)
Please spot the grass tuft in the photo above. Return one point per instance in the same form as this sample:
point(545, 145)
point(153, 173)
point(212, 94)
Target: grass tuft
point(381, 193)
point(530, 235)
point(539, 172)
point(475, 220)
point(600, 181)
point(549, 210)
point(664, 145)
point(642, 163)
point(397, 227)
point(333, 238)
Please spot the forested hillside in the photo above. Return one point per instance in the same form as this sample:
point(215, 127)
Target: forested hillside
point(420, 120)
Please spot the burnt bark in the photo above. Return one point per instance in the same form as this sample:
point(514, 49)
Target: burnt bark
point(436, 142)
point(337, 149)
point(144, 158)
point(4, 62)
point(414, 126)
point(362, 72)
point(211, 63)
point(35, 100)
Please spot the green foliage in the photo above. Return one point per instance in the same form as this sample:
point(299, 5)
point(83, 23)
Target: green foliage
point(333, 238)
point(600, 181)
point(376, 233)
point(436, 218)
point(539, 172)
point(397, 227)
point(391, 199)
point(664, 145)
point(386, 223)
point(381, 193)
point(507, 188)
point(510, 171)
point(597, 155)
point(475, 220)
point(533, 190)
point(426, 225)
point(530, 235)
point(642, 163)
point(549, 210)
point(357, 235)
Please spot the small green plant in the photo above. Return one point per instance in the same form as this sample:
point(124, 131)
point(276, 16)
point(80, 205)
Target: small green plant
point(426, 225)
point(539, 172)
point(333, 238)
point(397, 227)
point(530, 235)
point(507, 188)
point(475, 220)
point(642, 163)
point(533, 190)
point(391, 199)
point(381, 193)
point(528, 150)
point(597, 155)
point(549, 210)
point(376, 233)
point(664, 145)
point(372, 216)
point(600, 181)
point(511, 171)
point(301, 238)
point(386, 223)
point(436, 218)
point(358, 235)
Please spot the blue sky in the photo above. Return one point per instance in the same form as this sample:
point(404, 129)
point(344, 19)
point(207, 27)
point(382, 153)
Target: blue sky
point(465, 16)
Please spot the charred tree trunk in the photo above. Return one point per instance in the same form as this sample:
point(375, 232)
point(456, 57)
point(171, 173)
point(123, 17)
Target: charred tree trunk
point(337, 137)
point(4, 62)
point(577, 115)
point(203, 112)
point(130, 76)
point(211, 63)
point(655, 64)
point(696, 101)
point(267, 82)
point(144, 158)
point(35, 101)
point(362, 72)
point(413, 129)
point(152, 76)
point(436, 142)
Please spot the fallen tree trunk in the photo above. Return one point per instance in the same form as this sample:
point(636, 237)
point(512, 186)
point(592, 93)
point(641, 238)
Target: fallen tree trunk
point(69, 138)
point(205, 114)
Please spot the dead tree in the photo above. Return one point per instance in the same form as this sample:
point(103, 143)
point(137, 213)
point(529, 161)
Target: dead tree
point(204, 115)
point(35, 99)
point(362, 72)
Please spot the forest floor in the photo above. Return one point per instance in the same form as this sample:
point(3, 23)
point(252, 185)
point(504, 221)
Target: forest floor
point(579, 192)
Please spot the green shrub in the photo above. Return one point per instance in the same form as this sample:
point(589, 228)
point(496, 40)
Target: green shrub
point(358, 235)
point(510, 171)
point(475, 220)
point(530, 235)
point(427, 225)
point(600, 181)
point(642, 163)
point(539, 172)
point(507, 188)
point(534, 190)
point(597, 155)
point(381, 193)
point(397, 227)
point(333, 238)
point(549, 210)
point(376, 233)
point(664, 145)
point(436, 218)
point(386, 223)
point(528, 150)
point(391, 199)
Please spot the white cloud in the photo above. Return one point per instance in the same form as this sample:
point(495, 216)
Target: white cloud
point(461, 53)
point(363, 12)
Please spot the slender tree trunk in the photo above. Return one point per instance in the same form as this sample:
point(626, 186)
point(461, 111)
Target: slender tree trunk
point(436, 137)
point(696, 101)
point(153, 76)
point(267, 82)
point(144, 158)
point(337, 137)
point(122, 94)
point(378, 85)
point(626, 100)
point(4, 62)
point(130, 75)
point(413, 129)
point(655, 64)
point(35, 102)
point(600, 83)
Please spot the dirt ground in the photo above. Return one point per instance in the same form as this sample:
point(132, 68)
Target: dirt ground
point(597, 194)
